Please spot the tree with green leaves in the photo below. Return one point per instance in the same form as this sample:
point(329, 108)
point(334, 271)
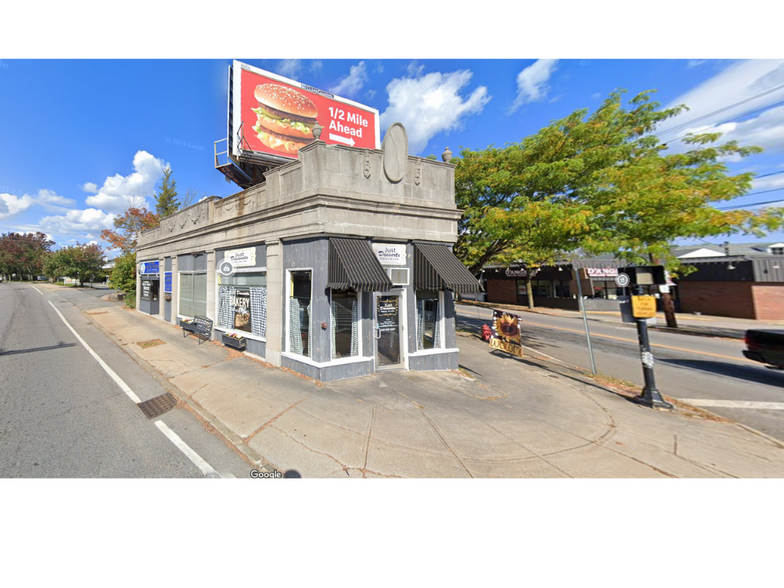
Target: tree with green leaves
point(125, 237)
point(123, 277)
point(80, 261)
point(166, 202)
point(602, 183)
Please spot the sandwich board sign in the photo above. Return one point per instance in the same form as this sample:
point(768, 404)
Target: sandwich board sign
point(505, 333)
point(272, 117)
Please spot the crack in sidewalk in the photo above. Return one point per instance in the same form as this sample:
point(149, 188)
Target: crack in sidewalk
point(273, 419)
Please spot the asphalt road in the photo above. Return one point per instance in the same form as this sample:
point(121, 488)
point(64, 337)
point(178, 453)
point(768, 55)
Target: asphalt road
point(63, 415)
point(686, 366)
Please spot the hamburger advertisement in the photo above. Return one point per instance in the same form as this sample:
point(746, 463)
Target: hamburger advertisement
point(277, 116)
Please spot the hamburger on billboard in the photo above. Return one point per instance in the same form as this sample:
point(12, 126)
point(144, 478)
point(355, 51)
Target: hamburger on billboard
point(273, 117)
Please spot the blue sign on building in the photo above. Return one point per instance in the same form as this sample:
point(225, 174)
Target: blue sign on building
point(167, 282)
point(150, 267)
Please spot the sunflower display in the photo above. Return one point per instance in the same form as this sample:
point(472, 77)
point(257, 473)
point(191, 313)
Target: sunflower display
point(507, 329)
point(506, 334)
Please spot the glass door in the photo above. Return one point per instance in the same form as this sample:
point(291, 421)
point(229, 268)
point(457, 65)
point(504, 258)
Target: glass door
point(388, 322)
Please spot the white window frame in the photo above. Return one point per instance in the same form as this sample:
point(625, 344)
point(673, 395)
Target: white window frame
point(243, 270)
point(359, 356)
point(179, 292)
point(441, 326)
point(287, 326)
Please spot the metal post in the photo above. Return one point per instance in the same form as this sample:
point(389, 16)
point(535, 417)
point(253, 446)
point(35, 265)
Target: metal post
point(650, 395)
point(585, 320)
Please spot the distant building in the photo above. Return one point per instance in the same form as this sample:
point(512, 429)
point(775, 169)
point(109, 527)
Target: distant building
point(742, 280)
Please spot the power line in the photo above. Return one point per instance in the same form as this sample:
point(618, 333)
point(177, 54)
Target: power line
point(770, 174)
point(751, 204)
point(723, 109)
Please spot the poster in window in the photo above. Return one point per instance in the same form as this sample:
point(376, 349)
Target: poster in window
point(242, 310)
point(505, 333)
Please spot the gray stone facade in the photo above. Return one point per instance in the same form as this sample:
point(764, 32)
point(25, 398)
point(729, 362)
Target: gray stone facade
point(330, 191)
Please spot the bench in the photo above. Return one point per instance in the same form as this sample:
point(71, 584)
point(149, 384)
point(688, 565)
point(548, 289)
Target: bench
point(201, 327)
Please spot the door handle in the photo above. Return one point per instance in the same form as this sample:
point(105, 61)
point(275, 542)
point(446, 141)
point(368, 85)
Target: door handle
point(378, 332)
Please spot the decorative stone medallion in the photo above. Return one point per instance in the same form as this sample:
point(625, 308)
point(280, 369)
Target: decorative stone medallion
point(395, 149)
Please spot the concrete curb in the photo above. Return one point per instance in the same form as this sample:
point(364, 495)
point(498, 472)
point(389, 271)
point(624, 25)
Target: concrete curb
point(201, 413)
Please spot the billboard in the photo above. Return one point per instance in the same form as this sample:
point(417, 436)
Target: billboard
point(272, 117)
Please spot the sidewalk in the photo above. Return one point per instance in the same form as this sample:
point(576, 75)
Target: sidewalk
point(704, 325)
point(498, 416)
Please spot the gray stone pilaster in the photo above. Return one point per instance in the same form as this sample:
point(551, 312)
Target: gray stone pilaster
point(211, 287)
point(275, 302)
point(175, 290)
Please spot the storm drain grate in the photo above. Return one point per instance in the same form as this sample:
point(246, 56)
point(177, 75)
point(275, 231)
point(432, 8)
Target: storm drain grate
point(157, 406)
point(150, 343)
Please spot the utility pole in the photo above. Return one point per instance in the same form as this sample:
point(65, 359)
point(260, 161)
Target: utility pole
point(668, 306)
point(585, 320)
point(650, 394)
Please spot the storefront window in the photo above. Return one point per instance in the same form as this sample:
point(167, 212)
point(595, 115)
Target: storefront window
point(606, 289)
point(242, 303)
point(345, 327)
point(540, 288)
point(562, 290)
point(428, 323)
point(193, 294)
point(299, 312)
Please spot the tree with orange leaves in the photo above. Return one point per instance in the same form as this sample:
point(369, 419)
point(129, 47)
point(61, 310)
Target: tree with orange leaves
point(128, 226)
point(125, 237)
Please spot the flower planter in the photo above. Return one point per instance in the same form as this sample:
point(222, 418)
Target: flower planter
point(235, 343)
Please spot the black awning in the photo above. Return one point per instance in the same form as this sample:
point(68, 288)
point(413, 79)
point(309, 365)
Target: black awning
point(352, 264)
point(437, 268)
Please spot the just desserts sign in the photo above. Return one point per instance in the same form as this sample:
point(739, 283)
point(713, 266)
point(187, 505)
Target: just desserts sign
point(274, 116)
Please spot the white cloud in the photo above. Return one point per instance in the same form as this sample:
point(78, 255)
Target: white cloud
point(289, 68)
point(119, 192)
point(351, 84)
point(415, 70)
point(727, 96)
point(768, 183)
point(11, 205)
point(532, 82)
point(50, 197)
point(78, 222)
point(431, 104)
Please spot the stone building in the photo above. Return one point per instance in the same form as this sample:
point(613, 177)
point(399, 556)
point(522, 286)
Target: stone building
point(340, 264)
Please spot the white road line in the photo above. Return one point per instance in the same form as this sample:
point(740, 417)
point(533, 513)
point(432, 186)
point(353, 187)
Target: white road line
point(118, 380)
point(197, 460)
point(37, 290)
point(734, 403)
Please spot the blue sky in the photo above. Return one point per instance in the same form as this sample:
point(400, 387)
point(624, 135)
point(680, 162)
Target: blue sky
point(80, 137)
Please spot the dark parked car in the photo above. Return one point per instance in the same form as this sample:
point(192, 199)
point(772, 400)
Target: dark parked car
point(765, 347)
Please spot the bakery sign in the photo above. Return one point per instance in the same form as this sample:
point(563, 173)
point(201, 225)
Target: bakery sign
point(390, 254)
point(241, 257)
